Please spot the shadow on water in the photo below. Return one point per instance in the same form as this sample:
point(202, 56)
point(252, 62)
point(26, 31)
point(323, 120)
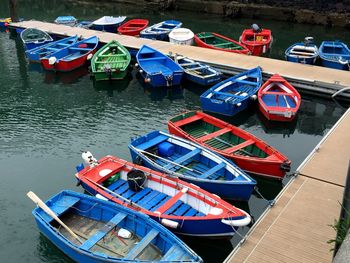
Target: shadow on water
point(275, 127)
point(65, 77)
point(114, 85)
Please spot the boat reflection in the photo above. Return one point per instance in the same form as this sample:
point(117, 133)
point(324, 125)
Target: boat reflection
point(275, 127)
point(113, 85)
point(65, 77)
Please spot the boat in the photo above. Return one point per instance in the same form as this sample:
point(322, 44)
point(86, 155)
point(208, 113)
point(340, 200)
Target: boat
point(303, 52)
point(88, 229)
point(72, 57)
point(335, 54)
point(133, 27)
point(108, 23)
point(233, 94)
point(111, 62)
point(35, 54)
point(157, 69)
point(278, 99)
point(192, 163)
point(66, 20)
point(218, 42)
point(181, 36)
point(84, 24)
point(197, 72)
point(161, 30)
point(183, 207)
point(250, 153)
point(32, 38)
point(257, 40)
point(4, 22)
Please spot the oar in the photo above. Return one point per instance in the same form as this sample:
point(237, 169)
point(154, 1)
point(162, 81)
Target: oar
point(51, 213)
point(151, 154)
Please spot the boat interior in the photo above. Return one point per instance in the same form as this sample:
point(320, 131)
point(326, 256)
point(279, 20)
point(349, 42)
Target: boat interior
point(278, 95)
point(114, 57)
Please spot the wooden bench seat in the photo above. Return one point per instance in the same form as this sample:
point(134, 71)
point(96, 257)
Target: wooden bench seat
point(143, 243)
point(213, 134)
point(239, 146)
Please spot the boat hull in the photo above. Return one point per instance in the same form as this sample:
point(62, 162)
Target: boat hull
point(257, 43)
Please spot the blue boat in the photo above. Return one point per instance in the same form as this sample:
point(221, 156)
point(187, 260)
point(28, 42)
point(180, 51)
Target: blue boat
point(233, 94)
point(335, 54)
point(161, 30)
point(193, 163)
point(196, 72)
point(158, 69)
point(66, 20)
point(35, 54)
point(84, 24)
point(106, 232)
point(108, 23)
point(304, 52)
point(33, 38)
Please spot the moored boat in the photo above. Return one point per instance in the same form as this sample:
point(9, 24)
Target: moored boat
point(181, 36)
point(161, 30)
point(335, 54)
point(4, 22)
point(88, 229)
point(257, 40)
point(84, 24)
point(157, 69)
point(278, 99)
point(110, 62)
point(249, 152)
point(185, 208)
point(215, 41)
point(233, 94)
point(35, 54)
point(32, 38)
point(66, 20)
point(304, 52)
point(197, 72)
point(72, 57)
point(133, 27)
point(108, 23)
point(192, 163)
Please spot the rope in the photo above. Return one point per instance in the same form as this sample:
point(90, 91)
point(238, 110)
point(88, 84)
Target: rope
point(270, 202)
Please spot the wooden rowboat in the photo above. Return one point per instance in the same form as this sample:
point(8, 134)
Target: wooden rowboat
point(133, 27)
point(108, 23)
point(335, 54)
point(215, 41)
point(161, 30)
point(66, 20)
point(257, 40)
point(183, 207)
point(32, 38)
point(193, 163)
point(95, 230)
point(110, 62)
point(247, 151)
point(304, 52)
point(278, 100)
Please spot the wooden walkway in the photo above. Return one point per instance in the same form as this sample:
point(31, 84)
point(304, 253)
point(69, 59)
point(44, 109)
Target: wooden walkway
point(297, 228)
point(307, 73)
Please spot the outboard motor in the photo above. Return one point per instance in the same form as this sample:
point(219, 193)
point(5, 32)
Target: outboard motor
point(256, 28)
point(308, 40)
point(136, 180)
point(89, 159)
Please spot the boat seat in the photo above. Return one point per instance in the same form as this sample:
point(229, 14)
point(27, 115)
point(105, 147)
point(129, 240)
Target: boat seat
point(171, 202)
point(189, 64)
point(52, 48)
point(150, 143)
point(246, 82)
point(80, 49)
point(239, 146)
point(183, 158)
point(213, 134)
point(213, 170)
point(293, 52)
point(143, 243)
point(188, 120)
point(101, 233)
point(223, 44)
point(174, 253)
point(173, 208)
point(60, 206)
point(151, 59)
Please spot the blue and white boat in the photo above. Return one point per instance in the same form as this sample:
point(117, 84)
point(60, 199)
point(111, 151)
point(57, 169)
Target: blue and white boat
point(106, 232)
point(84, 24)
point(108, 23)
point(335, 54)
point(198, 73)
point(233, 94)
point(304, 52)
point(158, 69)
point(35, 54)
point(32, 38)
point(193, 163)
point(66, 20)
point(161, 30)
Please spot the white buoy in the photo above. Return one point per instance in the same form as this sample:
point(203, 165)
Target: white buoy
point(169, 223)
point(136, 65)
point(254, 97)
point(52, 60)
point(239, 104)
point(141, 71)
point(89, 56)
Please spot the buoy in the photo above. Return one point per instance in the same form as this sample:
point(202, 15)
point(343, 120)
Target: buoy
point(89, 56)
point(147, 80)
point(52, 60)
point(169, 223)
point(253, 97)
point(141, 71)
point(136, 65)
point(239, 104)
point(6, 24)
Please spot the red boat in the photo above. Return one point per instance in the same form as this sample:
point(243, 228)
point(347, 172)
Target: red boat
point(257, 40)
point(133, 27)
point(247, 151)
point(71, 57)
point(215, 41)
point(278, 100)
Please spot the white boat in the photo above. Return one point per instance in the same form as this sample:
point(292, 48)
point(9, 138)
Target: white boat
point(181, 36)
point(108, 23)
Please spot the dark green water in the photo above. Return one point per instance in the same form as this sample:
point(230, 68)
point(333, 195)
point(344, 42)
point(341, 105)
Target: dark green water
point(46, 119)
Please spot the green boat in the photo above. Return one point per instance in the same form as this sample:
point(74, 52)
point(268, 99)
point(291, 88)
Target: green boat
point(110, 62)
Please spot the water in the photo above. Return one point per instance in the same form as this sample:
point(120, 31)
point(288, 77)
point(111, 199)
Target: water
point(47, 119)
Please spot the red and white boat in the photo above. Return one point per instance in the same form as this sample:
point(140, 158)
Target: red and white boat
point(249, 152)
point(185, 208)
point(71, 57)
point(257, 40)
point(278, 99)
point(133, 27)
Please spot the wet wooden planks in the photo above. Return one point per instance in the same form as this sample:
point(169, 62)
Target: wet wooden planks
point(287, 69)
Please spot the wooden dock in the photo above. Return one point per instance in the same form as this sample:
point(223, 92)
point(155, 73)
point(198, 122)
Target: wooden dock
point(313, 78)
point(297, 227)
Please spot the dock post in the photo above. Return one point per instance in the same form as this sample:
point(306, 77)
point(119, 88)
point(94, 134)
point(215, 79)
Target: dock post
point(13, 10)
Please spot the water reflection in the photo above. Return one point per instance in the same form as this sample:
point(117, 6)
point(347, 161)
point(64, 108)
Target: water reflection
point(113, 86)
point(275, 127)
point(65, 77)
